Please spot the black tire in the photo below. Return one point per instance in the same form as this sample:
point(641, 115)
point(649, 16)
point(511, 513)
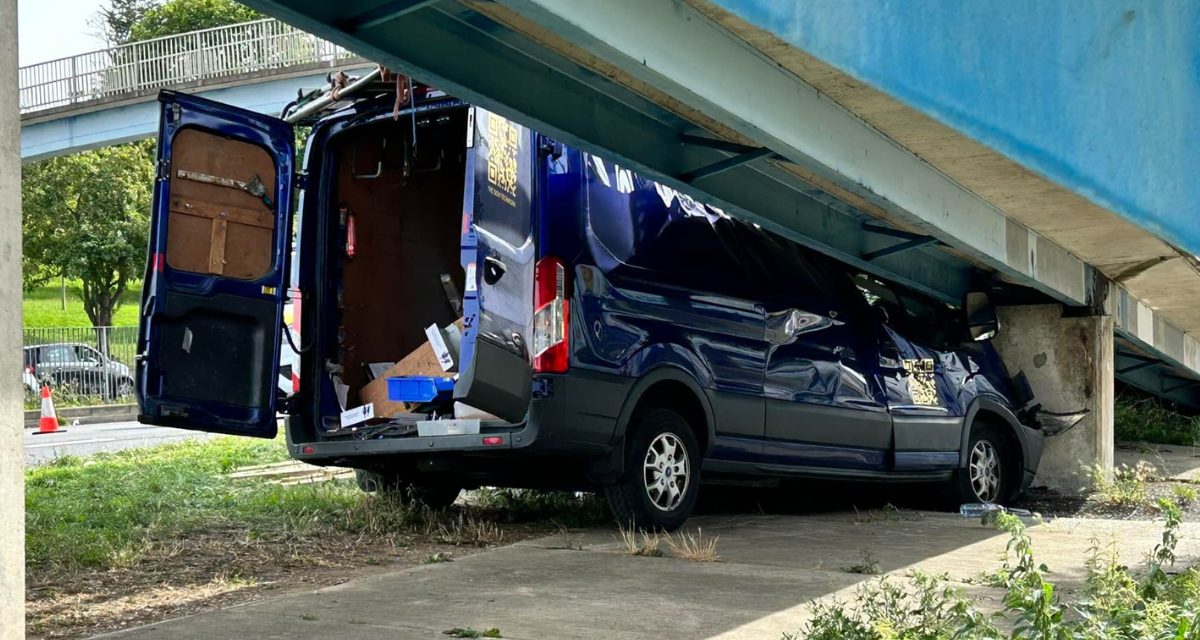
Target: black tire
point(973, 483)
point(435, 497)
point(630, 498)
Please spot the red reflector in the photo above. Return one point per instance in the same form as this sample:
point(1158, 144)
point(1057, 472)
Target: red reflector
point(158, 262)
point(308, 448)
point(493, 440)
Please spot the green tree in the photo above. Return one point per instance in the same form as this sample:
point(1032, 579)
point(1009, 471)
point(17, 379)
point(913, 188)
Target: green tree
point(116, 20)
point(181, 16)
point(86, 216)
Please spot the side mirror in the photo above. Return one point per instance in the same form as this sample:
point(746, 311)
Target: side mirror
point(981, 316)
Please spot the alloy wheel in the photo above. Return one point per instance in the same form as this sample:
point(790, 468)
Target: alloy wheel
point(666, 472)
point(985, 471)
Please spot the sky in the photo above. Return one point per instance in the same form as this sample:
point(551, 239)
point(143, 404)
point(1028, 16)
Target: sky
point(51, 29)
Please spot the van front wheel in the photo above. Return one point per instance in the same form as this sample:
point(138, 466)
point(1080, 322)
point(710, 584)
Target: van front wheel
point(662, 473)
point(410, 493)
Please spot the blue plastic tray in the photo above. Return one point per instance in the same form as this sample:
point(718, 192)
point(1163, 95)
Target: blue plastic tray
point(419, 389)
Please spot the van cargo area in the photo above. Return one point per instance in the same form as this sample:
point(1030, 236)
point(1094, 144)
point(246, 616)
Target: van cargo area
point(391, 232)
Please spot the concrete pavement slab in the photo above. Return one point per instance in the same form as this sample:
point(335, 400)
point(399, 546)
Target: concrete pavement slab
point(1172, 462)
point(771, 568)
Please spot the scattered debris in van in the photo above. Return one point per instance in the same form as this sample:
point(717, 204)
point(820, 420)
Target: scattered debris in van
point(422, 361)
point(376, 370)
point(452, 294)
point(466, 411)
point(441, 344)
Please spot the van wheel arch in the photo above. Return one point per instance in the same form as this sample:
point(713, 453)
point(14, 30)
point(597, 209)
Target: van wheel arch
point(663, 386)
point(670, 386)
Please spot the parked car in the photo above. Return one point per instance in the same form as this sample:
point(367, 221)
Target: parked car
point(617, 334)
point(78, 367)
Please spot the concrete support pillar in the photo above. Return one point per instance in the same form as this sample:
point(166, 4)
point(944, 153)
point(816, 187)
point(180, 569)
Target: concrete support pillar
point(1069, 364)
point(12, 424)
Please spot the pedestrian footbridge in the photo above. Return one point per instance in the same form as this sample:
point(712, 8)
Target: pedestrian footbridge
point(109, 97)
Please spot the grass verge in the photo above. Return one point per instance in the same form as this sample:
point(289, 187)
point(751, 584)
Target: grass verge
point(132, 537)
point(1140, 417)
point(42, 307)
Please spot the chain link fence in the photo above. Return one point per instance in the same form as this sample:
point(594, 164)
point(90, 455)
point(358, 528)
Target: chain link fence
point(83, 365)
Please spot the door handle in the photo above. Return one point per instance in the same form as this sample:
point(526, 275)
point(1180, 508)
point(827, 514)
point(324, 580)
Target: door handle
point(493, 270)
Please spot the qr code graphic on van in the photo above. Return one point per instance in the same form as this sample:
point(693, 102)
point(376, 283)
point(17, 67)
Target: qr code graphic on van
point(503, 142)
point(922, 384)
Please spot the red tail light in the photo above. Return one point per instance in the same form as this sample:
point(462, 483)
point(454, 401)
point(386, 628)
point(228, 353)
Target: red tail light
point(550, 315)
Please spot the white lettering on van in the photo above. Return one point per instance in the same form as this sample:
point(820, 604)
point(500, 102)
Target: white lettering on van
point(624, 179)
point(601, 171)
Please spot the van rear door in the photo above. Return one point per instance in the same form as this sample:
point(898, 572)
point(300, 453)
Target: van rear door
point(212, 304)
point(498, 201)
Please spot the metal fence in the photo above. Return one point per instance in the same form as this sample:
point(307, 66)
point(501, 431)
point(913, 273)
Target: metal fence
point(171, 60)
point(83, 365)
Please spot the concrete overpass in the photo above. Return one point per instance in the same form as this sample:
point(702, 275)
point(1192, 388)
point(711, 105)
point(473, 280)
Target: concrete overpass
point(109, 97)
point(935, 171)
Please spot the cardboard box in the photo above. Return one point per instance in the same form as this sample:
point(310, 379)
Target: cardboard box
point(421, 362)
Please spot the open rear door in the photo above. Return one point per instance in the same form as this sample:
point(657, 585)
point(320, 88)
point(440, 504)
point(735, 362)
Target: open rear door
point(498, 305)
point(212, 304)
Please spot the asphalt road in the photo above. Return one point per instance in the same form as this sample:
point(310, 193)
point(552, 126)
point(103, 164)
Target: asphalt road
point(82, 440)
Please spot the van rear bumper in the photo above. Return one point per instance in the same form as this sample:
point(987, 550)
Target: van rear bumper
point(516, 437)
point(572, 414)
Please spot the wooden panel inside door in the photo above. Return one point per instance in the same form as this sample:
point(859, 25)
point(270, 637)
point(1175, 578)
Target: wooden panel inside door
point(215, 227)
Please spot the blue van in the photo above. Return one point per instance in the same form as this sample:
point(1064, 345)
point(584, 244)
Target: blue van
point(617, 335)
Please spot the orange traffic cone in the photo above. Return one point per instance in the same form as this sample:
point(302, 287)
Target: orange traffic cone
point(48, 422)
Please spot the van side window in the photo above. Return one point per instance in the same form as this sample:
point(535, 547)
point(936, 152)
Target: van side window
point(916, 317)
point(882, 300)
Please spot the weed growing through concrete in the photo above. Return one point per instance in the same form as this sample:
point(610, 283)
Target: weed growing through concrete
point(696, 547)
point(1117, 602)
point(1126, 487)
point(463, 530)
point(468, 632)
point(638, 542)
point(437, 558)
point(1185, 494)
point(867, 565)
point(888, 513)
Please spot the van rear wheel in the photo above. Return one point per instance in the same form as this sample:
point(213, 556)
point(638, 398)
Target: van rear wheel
point(436, 497)
point(662, 473)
